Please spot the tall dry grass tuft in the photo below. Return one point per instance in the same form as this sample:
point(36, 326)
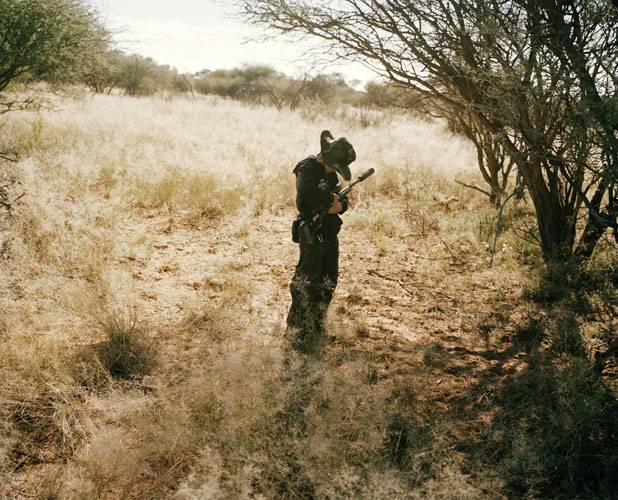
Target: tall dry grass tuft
point(127, 352)
point(106, 465)
point(41, 411)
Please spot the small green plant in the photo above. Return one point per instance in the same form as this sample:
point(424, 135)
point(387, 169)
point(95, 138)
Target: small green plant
point(602, 267)
point(555, 284)
point(564, 333)
point(486, 225)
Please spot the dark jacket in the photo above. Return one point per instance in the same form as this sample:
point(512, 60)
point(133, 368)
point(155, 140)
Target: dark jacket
point(314, 190)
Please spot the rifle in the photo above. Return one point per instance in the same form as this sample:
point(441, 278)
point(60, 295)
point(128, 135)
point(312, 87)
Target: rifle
point(307, 229)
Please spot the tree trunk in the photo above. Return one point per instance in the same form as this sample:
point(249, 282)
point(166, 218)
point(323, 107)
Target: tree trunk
point(594, 228)
point(489, 163)
point(495, 168)
point(556, 224)
point(557, 233)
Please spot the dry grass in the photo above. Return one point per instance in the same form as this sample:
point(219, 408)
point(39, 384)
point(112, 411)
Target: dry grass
point(145, 277)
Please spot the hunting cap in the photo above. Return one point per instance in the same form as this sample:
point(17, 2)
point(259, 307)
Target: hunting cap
point(337, 153)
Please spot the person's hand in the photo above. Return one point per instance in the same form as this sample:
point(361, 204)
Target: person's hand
point(335, 206)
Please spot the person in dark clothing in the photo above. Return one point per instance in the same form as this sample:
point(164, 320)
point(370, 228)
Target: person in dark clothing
point(315, 277)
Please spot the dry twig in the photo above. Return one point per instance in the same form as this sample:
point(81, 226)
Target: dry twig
point(8, 158)
point(473, 186)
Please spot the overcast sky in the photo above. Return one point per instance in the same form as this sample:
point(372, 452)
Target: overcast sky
point(204, 34)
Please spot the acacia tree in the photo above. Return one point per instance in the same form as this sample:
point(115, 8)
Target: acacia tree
point(102, 73)
point(583, 37)
point(45, 39)
point(273, 87)
point(136, 75)
point(507, 66)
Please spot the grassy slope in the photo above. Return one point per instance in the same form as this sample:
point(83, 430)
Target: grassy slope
point(155, 234)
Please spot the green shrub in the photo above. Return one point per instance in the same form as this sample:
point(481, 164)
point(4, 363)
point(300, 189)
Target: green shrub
point(564, 333)
point(602, 268)
point(555, 284)
point(554, 434)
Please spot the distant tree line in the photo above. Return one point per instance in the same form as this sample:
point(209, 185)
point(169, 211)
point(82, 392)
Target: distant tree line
point(257, 84)
point(65, 41)
point(263, 84)
point(132, 74)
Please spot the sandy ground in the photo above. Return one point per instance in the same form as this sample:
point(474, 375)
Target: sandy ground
point(409, 299)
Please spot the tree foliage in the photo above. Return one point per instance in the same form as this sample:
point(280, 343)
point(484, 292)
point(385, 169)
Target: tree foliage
point(46, 39)
point(265, 85)
point(536, 77)
point(384, 95)
point(134, 74)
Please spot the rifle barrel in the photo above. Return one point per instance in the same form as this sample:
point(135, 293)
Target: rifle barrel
point(359, 179)
point(366, 174)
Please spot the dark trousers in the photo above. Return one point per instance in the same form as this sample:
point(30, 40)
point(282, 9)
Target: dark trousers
point(312, 289)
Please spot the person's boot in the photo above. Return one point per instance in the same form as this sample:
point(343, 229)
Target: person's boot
point(324, 299)
point(299, 323)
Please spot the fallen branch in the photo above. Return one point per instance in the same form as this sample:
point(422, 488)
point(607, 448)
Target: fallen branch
point(474, 186)
point(9, 206)
point(456, 258)
point(388, 278)
point(8, 158)
point(406, 289)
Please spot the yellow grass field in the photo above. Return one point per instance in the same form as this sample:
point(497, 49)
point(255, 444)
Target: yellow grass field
point(144, 278)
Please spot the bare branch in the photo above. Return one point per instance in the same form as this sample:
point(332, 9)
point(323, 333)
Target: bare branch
point(8, 158)
point(473, 186)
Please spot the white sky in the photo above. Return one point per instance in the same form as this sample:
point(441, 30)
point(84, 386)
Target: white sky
point(205, 34)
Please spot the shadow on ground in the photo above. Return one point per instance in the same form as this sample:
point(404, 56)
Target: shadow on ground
point(528, 404)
